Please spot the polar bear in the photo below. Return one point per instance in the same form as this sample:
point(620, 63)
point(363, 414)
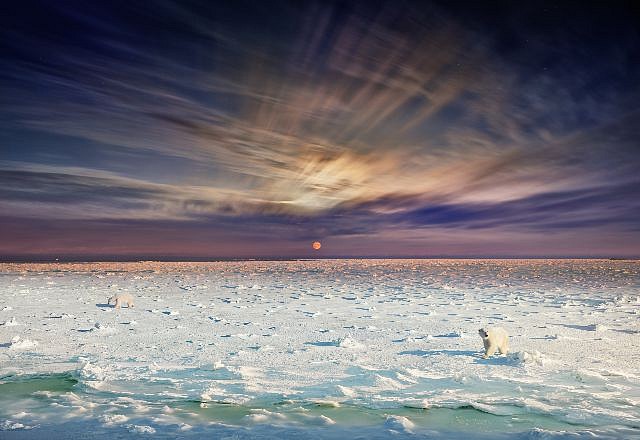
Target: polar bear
point(120, 299)
point(494, 338)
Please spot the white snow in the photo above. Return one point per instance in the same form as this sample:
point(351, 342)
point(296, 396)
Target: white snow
point(369, 334)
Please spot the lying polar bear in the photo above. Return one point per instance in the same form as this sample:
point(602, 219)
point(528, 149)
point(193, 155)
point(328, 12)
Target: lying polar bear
point(494, 338)
point(121, 298)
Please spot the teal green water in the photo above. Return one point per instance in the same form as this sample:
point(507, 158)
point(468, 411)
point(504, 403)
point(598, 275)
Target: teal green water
point(12, 387)
point(46, 398)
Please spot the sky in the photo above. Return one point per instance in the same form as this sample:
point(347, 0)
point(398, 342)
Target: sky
point(177, 129)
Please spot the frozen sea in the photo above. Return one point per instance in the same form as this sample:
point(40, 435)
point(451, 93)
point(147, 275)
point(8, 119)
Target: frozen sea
point(320, 349)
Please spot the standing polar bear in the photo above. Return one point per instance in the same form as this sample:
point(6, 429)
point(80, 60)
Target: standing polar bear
point(494, 338)
point(121, 298)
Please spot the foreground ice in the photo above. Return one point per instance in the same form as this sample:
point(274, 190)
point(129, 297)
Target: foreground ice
point(322, 349)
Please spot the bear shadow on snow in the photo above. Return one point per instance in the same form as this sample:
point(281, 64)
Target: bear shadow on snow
point(424, 353)
point(503, 360)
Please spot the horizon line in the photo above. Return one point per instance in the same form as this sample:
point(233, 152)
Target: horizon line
point(192, 259)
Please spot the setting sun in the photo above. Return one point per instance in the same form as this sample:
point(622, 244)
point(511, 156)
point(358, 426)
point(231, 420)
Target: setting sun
point(316, 245)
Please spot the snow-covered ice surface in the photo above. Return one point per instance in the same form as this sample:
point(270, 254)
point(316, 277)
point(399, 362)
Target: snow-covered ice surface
point(321, 349)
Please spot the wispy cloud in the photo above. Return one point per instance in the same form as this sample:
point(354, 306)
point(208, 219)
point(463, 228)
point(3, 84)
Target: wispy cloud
point(374, 119)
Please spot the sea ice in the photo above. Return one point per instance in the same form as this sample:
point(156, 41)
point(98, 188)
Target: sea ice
point(387, 338)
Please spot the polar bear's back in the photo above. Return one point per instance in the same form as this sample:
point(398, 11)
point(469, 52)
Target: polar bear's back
point(499, 336)
point(498, 331)
point(121, 298)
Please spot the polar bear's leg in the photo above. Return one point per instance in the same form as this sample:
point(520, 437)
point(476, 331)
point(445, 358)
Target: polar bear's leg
point(490, 350)
point(118, 303)
point(503, 344)
point(130, 303)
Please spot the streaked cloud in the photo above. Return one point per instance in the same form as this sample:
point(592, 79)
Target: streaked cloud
point(348, 122)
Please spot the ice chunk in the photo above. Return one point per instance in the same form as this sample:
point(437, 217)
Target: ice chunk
point(141, 429)
point(349, 342)
point(11, 323)
point(525, 357)
point(113, 419)
point(17, 343)
point(399, 423)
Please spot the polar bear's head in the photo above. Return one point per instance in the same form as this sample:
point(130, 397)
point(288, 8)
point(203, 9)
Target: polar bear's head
point(483, 333)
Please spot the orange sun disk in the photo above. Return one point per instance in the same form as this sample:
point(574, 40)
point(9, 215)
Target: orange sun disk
point(316, 245)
